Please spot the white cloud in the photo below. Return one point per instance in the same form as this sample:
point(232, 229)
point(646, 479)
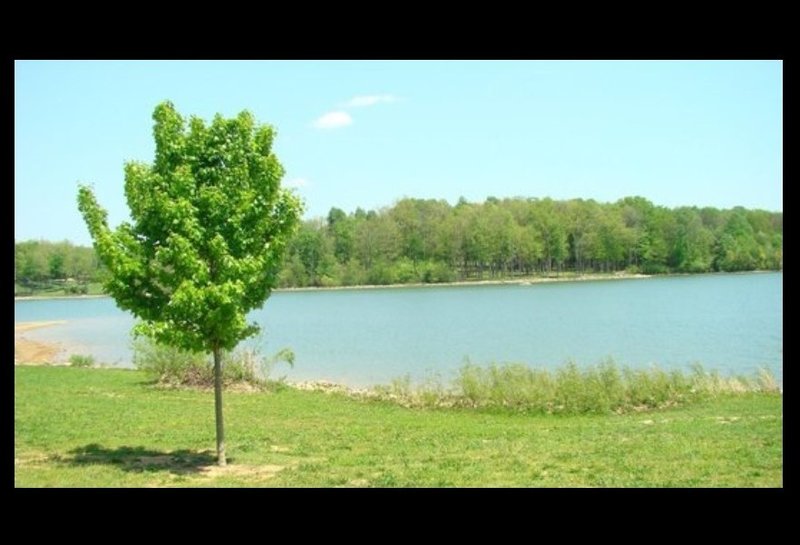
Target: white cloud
point(333, 120)
point(297, 182)
point(368, 100)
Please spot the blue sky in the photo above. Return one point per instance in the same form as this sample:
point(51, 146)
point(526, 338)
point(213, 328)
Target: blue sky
point(368, 133)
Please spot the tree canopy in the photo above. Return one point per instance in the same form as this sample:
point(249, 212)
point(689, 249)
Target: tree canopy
point(210, 224)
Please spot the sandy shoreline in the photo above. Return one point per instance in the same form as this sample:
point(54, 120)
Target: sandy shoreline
point(21, 327)
point(29, 351)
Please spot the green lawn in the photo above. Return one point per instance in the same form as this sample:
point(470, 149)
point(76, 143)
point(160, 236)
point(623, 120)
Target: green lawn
point(109, 428)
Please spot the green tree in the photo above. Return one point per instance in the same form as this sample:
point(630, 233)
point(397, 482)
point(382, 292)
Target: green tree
point(342, 229)
point(612, 237)
point(313, 249)
point(407, 217)
point(582, 224)
point(693, 251)
point(655, 242)
point(376, 239)
point(499, 236)
point(634, 211)
point(476, 237)
point(737, 249)
point(449, 241)
point(32, 262)
point(552, 233)
point(527, 247)
point(80, 263)
point(56, 264)
point(210, 222)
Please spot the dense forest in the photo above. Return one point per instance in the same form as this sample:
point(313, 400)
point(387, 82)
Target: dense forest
point(430, 241)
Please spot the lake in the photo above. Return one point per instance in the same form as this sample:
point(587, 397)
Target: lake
point(729, 322)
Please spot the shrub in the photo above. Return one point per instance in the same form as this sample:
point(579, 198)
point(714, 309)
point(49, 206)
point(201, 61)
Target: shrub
point(79, 360)
point(168, 365)
point(77, 289)
point(380, 274)
point(404, 271)
point(436, 272)
point(174, 367)
point(353, 274)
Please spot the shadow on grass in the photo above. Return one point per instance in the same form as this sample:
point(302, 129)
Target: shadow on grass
point(140, 459)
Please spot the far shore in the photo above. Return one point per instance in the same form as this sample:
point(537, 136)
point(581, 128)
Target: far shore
point(521, 281)
point(43, 297)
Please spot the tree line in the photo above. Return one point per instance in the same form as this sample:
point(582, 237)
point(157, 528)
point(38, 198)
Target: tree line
point(427, 240)
point(420, 240)
point(40, 263)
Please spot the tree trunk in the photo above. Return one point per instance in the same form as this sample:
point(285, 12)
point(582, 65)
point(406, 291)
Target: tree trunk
point(218, 407)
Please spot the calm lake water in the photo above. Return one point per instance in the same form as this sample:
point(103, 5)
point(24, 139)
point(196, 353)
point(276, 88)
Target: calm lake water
point(729, 322)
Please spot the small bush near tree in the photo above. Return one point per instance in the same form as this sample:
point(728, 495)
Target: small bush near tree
point(80, 360)
point(170, 366)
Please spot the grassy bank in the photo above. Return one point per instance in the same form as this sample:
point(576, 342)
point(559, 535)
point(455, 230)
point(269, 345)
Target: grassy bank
point(93, 427)
point(96, 289)
point(57, 290)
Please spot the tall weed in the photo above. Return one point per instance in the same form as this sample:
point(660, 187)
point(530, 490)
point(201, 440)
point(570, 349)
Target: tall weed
point(171, 366)
point(570, 389)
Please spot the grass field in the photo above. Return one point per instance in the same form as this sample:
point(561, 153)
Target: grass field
point(79, 427)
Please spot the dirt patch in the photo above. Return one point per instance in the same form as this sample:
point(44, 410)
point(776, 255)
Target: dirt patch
point(28, 351)
point(240, 470)
point(36, 352)
point(31, 458)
